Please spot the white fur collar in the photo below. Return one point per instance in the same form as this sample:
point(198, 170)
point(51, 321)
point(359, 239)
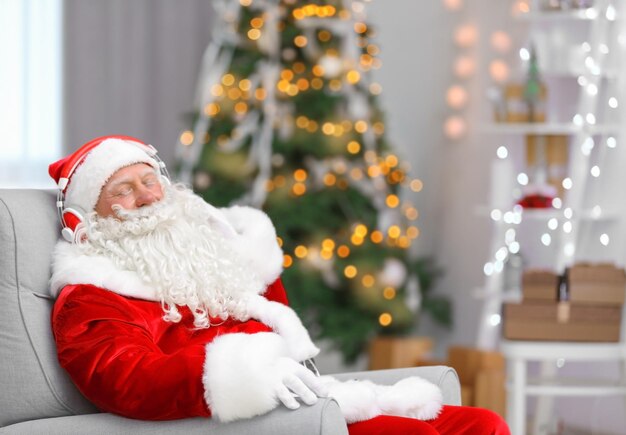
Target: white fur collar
point(254, 240)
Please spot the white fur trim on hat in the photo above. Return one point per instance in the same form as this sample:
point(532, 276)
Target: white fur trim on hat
point(98, 166)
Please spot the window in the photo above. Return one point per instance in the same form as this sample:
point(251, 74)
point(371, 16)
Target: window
point(30, 86)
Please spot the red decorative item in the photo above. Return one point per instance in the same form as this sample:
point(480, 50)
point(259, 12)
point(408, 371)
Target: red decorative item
point(536, 201)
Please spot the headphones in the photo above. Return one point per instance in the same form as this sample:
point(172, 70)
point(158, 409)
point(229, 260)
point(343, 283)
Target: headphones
point(72, 216)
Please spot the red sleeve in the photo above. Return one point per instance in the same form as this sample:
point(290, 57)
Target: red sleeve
point(107, 345)
point(276, 292)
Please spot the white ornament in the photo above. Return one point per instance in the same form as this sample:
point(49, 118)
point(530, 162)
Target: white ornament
point(393, 273)
point(413, 298)
point(332, 65)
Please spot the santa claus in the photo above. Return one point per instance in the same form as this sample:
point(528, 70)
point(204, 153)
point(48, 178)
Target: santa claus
point(168, 307)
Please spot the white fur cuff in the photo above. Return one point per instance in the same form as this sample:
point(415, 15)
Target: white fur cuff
point(255, 241)
point(411, 397)
point(237, 379)
point(284, 320)
point(361, 400)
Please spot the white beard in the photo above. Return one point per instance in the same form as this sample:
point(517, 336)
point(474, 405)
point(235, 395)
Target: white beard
point(176, 247)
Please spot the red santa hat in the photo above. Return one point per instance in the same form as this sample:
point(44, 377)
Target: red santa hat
point(82, 175)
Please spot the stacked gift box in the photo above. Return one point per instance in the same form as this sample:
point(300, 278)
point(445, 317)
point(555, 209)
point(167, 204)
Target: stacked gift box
point(584, 304)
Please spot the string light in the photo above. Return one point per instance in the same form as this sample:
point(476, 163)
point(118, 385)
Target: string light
point(453, 5)
point(287, 260)
point(368, 280)
point(394, 231)
point(456, 97)
point(567, 227)
point(385, 319)
point(228, 79)
point(488, 269)
point(353, 147)
point(502, 152)
point(343, 251)
point(389, 293)
point(300, 175)
point(392, 201)
point(499, 71)
point(567, 183)
point(350, 271)
point(455, 127)
point(300, 41)
point(376, 236)
point(464, 67)
point(522, 178)
point(611, 142)
point(553, 223)
point(466, 35)
point(254, 34)
point(301, 251)
point(496, 214)
point(500, 41)
point(211, 109)
point(186, 138)
point(495, 319)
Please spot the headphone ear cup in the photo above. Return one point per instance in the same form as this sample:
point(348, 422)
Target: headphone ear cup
point(73, 224)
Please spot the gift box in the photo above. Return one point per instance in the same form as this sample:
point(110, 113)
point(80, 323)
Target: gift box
point(540, 285)
point(547, 157)
point(515, 107)
point(597, 284)
point(482, 375)
point(397, 352)
point(562, 321)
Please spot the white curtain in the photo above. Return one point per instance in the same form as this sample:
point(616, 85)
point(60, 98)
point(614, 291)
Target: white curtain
point(31, 90)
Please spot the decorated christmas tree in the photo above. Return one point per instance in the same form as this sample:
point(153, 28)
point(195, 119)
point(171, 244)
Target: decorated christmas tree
point(287, 120)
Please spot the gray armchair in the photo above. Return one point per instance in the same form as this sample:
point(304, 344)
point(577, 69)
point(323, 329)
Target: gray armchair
point(36, 395)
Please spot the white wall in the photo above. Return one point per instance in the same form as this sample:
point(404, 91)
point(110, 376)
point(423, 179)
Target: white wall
point(418, 53)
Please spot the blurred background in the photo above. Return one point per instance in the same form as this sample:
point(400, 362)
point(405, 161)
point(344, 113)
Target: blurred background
point(496, 117)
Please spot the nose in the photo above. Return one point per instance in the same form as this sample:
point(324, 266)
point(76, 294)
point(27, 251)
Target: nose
point(146, 197)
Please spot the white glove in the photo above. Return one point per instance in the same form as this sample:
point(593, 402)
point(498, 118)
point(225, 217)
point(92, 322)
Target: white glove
point(295, 379)
point(250, 374)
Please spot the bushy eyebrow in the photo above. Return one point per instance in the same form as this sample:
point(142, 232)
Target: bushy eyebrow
point(148, 171)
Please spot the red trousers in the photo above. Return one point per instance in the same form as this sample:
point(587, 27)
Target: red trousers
point(453, 420)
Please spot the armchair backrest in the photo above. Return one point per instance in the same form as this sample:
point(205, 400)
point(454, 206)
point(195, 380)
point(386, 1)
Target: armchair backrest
point(33, 384)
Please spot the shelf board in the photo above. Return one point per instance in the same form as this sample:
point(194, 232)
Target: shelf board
point(565, 128)
point(573, 387)
point(544, 214)
point(559, 15)
point(562, 73)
